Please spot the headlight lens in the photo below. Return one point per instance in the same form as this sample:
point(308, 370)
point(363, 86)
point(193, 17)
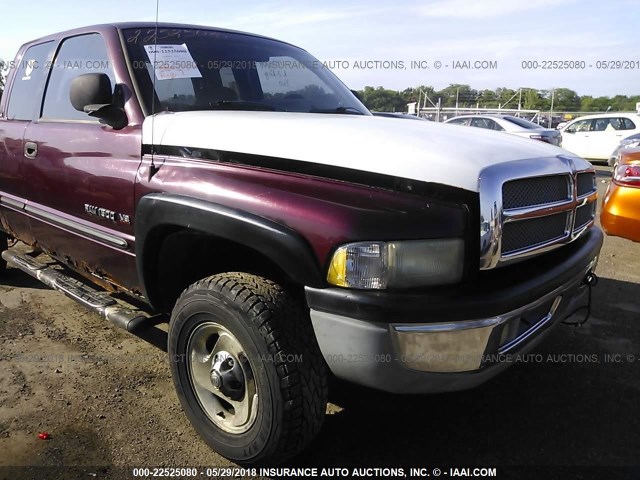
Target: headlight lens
point(405, 264)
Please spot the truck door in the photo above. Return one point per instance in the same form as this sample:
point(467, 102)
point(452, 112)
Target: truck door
point(20, 105)
point(81, 173)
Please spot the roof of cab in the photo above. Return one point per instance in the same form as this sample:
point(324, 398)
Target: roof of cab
point(129, 25)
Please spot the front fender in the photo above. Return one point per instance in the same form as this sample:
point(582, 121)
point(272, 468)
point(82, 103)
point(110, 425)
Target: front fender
point(156, 212)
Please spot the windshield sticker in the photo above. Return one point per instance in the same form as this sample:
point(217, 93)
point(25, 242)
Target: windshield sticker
point(149, 35)
point(172, 61)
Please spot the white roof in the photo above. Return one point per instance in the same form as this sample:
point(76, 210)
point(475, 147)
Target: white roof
point(607, 115)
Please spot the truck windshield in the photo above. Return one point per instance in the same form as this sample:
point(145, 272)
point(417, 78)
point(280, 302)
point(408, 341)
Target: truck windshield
point(197, 69)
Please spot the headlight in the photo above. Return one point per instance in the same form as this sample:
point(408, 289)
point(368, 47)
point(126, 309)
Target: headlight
point(405, 264)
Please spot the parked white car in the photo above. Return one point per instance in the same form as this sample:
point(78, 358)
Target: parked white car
point(597, 136)
point(509, 124)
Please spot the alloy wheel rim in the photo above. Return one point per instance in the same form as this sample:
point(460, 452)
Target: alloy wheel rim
point(222, 378)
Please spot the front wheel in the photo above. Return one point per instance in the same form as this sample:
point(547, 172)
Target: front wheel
point(247, 368)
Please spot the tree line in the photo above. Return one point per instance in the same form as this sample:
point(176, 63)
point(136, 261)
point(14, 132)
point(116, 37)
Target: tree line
point(564, 99)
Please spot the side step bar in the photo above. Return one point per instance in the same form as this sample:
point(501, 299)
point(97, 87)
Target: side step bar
point(127, 317)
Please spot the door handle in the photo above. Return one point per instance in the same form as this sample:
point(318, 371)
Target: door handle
point(30, 150)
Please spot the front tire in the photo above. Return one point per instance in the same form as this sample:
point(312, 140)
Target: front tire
point(247, 368)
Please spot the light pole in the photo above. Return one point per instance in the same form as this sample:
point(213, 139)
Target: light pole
point(553, 94)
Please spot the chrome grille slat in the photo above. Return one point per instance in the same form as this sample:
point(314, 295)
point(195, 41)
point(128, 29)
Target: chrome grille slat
point(586, 183)
point(530, 233)
point(584, 215)
point(531, 206)
point(535, 191)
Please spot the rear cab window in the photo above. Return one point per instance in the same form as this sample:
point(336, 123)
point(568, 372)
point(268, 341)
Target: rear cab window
point(25, 94)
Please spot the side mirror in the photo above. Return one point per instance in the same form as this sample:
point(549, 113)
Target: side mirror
point(92, 93)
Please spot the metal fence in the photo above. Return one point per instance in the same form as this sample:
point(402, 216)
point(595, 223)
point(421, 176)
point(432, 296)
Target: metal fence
point(549, 119)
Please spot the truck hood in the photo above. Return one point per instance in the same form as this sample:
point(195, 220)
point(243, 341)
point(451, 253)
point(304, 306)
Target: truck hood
point(424, 151)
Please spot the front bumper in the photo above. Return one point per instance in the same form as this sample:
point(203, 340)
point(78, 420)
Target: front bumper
point(423, 347)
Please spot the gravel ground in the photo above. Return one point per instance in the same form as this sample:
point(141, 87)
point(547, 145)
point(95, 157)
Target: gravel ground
point(107, 399)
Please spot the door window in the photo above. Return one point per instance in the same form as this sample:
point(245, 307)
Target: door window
point(494, 125)
point(485, 123)
point(580, 126)
point(615, 123)
point(607, 124)
point(24, 102)
point(460, 121)
point(479, 122)
point(77, 56)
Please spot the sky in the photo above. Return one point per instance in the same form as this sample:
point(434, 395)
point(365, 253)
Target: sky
point(375, 42)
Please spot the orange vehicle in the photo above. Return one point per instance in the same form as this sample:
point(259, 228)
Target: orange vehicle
point(621, 209)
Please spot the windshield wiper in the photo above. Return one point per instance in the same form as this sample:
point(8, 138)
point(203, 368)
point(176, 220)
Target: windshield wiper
point(345, 110)
point(244, 105)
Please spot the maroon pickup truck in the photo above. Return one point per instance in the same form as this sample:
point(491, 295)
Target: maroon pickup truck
point(233, 182)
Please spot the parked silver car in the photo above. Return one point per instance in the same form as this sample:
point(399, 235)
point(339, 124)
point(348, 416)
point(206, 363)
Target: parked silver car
point(510, 124)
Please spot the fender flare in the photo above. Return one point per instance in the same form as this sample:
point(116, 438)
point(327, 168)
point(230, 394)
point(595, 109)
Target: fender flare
point(282, 245)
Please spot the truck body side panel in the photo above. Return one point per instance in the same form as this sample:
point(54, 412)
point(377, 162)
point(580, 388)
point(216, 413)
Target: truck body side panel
point(80, 196)
point(14, 221)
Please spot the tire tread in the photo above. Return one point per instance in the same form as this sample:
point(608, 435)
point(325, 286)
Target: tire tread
point(286, 329)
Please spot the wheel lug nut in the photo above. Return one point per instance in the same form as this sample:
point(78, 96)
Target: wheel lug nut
point(216, 379)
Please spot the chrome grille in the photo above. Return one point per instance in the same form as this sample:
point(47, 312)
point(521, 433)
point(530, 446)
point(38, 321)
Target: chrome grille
point(586, 183)
point(584, 215)
point(526, 234)
point(528, 192)
point(528, 207)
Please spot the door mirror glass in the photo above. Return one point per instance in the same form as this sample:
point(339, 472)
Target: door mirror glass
point(90, 92)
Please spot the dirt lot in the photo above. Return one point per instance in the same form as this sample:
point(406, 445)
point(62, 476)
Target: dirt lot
point(107, 399)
